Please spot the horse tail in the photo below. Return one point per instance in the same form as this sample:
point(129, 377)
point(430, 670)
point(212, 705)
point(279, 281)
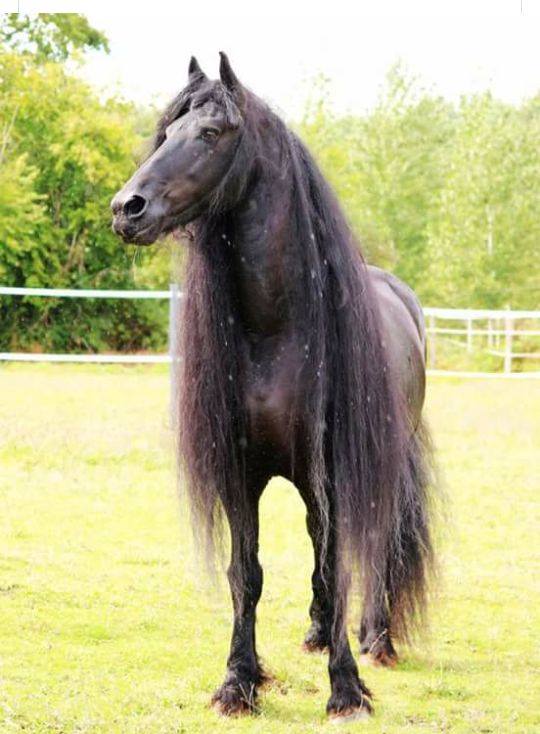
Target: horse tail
point(410, 558)
point(399, 564)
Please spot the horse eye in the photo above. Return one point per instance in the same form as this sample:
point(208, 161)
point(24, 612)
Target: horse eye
point(209, 133)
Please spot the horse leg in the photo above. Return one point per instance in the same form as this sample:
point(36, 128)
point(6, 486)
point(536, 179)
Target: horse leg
point(350, 698)
point(317, 638)
point(244, 674)
point(376, 645)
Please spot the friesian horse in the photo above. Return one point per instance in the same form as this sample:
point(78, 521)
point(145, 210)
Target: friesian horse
point(297, 359)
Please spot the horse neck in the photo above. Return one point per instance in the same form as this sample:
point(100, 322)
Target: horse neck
point(261, 239)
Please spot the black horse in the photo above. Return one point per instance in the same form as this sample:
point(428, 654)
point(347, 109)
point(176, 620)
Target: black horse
point(297, 360)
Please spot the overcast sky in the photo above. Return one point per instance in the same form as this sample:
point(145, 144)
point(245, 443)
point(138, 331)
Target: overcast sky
point(467, 45)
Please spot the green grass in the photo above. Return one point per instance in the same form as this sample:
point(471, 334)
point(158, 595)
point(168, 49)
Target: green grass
point(107, 625)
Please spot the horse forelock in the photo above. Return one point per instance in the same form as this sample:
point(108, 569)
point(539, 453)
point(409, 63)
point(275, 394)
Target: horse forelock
point(196, 94)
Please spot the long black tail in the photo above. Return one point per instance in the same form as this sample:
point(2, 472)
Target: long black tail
point(398, 574)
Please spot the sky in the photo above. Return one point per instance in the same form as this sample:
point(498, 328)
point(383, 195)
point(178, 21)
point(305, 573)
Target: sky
point(454, 47)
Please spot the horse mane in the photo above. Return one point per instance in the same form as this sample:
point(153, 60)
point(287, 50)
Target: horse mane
point(359, 434)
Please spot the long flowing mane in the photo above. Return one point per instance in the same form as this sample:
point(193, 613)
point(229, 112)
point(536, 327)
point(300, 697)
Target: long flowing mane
point(359, 434)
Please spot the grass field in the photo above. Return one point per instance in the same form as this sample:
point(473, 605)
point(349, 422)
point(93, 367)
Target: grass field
point(106, 625)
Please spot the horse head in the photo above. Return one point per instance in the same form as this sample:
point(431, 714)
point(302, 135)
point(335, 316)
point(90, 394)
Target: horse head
point(195, 144)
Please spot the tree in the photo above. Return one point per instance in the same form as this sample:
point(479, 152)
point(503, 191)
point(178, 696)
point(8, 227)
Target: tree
point(64, 154)
point(444, 195)
point(21, 211)
point(386, 168)
point(50, 36)
point(485, 236)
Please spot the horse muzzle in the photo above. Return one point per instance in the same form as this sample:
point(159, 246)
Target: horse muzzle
point(135, 219)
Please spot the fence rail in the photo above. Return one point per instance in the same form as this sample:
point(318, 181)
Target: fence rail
point(497, 335)
point(81, 293)
point(497, 331)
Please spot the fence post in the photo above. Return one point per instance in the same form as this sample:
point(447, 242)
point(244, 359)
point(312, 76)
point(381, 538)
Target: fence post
point(508, 328)
point(432, 338)
point(490, 334)
point(174, 349)
point(469, 334)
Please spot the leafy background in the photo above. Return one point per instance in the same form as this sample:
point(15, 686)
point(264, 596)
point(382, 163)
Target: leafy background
point(445, 195)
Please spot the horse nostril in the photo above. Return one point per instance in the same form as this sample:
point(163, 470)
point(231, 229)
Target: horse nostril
point(135, 206)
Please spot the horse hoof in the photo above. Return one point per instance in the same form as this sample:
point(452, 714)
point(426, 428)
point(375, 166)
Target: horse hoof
point(349, 703)
point(316, 639)
point(233, 701)
point(313, 646)
point(350, 715)
point(381, 659)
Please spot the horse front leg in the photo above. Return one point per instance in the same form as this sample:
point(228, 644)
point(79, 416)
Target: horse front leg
point(238, 693)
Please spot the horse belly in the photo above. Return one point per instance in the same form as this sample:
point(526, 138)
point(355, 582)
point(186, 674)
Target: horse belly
point(404, 347)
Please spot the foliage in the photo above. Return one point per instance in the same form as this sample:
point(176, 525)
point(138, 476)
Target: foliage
point(485, 238)
point(21, 210)
point(444, 195)
point(64, 154)
point(50, 36)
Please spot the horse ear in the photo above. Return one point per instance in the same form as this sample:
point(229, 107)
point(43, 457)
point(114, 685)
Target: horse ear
point(195, 73)
point(227, 75)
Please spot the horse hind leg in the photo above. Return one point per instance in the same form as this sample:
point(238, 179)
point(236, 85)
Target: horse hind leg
point(350, 699)
point(318, 635)
point(375, 637)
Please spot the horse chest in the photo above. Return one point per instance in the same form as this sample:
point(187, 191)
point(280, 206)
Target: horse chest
point(270, 398)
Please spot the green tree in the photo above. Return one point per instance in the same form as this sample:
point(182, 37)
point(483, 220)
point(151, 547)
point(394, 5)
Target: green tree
point(446, 196)
point(50, 36)
point(64, 154)
point(484, 238)
point(387, 169)
point(21, 212)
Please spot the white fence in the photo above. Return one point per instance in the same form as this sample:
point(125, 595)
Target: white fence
point(494, 332)
point(173, 295)
point(489, 331)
